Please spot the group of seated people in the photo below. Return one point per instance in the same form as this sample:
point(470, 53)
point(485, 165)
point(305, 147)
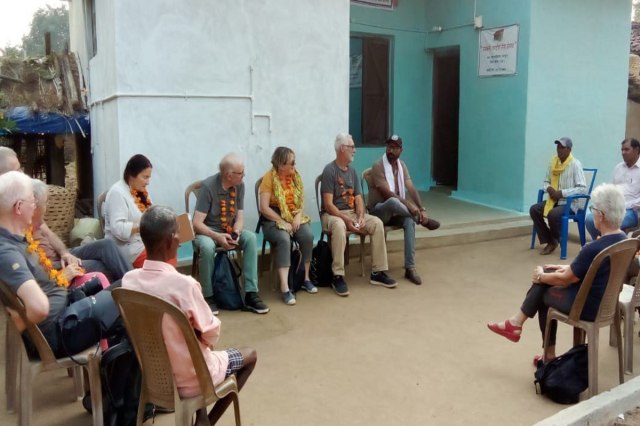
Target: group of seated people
point(41, 270)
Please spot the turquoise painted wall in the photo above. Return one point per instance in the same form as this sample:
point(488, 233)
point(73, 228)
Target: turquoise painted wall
point(571, 80)
point(577, 83)
point(492, 109)
point(410, 88)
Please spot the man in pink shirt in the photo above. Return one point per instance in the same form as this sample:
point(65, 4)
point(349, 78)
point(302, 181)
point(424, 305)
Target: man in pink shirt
point(159, 232)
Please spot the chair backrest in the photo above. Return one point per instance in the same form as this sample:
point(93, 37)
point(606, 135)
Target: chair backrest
point(619, 255)
point(590, 177)
point(100, 207)
point(142, 314)
point(61, 210)
point(317, 185)
point(193, 188)
point(257, 188)
point(11, 300)
point(365, 184)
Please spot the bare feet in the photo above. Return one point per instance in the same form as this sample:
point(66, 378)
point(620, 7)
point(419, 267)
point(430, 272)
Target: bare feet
point(549, 248)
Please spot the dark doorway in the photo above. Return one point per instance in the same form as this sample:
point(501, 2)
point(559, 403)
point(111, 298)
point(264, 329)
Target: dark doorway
point(446, 96)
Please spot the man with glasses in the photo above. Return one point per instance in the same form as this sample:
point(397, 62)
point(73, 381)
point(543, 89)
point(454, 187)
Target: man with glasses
point(626, 174)
point(343, 211)
point(218, 221)
point(394, 199)
point(564, 178)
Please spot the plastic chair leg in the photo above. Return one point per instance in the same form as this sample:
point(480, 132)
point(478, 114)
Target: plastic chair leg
point(564, 236)
point(533, 238)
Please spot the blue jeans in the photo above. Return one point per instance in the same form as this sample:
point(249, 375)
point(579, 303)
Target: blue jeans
point(246, 243)
point(393, 212)
point(630, 221)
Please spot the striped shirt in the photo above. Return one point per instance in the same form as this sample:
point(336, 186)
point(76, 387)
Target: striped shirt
point(572, 182)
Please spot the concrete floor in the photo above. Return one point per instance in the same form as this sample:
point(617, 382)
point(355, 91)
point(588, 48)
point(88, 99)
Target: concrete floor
point(414, 355)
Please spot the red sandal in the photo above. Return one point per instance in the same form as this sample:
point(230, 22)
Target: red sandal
point(510, 331)
point(537, 359)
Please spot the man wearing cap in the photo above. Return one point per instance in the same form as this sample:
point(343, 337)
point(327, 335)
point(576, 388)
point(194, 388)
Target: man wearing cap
point(626, 174)
point(564, 178)
point(394, 199)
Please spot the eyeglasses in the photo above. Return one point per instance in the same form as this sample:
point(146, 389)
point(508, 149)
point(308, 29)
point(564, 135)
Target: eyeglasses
point(592, 209)
point(351, 147)
point(293, 163)
point(238, 173)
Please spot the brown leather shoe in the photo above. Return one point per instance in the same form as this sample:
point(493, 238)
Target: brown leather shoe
point(549, 248)
point(412, 275)
point(431, 224)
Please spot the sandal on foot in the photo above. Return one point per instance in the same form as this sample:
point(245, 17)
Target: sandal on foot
point(510, 331)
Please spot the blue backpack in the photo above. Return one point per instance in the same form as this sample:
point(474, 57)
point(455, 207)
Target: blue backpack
point(225, 282)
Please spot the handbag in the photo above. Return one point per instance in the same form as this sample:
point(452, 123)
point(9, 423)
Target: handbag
point(225, 283)
point(321, 259)
point(563, 379)
point(296, 270)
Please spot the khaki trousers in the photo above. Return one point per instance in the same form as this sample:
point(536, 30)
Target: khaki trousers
point(338, 230)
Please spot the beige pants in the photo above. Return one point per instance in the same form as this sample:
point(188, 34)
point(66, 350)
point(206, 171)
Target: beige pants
point(338, 230)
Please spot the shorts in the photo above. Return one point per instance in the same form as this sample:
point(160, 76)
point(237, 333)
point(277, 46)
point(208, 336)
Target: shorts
point(235, 361)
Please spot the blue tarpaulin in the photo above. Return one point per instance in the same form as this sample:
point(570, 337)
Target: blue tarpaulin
point(49, 123)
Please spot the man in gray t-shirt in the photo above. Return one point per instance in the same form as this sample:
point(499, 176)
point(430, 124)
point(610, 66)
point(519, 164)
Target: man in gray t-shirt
point(343, 212)
point(218, 221)
point(21, 269)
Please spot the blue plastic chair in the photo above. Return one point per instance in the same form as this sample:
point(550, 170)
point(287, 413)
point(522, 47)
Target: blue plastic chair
point(568, 215)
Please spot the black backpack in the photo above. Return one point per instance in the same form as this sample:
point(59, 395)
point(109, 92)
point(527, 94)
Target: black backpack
point(225, 282)
point(121, 384)
point(321, 260)
point(563, 379)
point(296, 270)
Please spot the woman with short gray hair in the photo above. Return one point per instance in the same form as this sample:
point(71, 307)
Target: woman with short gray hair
point(556, 286)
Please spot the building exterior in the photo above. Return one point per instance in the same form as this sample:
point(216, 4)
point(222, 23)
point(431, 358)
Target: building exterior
point(184, 85)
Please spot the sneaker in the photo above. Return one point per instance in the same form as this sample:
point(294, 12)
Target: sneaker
point(309, 287)
point(340, 286)
point(288, 298)
point(212, 305)
point(381, 278)
point(412, 275)
point(254, 303)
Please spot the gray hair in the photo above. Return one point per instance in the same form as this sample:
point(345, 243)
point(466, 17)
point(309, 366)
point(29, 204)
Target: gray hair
point(14, 186)
point(342, 139)
point(40, 191)
point(609, 199)
point(6, 155)
point(229, 161)
point(156, 225)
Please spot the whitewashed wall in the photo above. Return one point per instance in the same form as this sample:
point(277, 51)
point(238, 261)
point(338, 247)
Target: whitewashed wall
point(186, 82)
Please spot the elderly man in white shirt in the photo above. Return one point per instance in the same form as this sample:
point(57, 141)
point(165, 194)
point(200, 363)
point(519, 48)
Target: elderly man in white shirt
point(626, 175)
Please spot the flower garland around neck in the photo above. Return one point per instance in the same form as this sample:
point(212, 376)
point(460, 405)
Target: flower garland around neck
point(227, 216)
point(141, 198)
point(33, 246)
point(346, 194)
point(289, 194)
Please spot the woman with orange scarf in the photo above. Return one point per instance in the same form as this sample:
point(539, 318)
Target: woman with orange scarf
point(281, 205)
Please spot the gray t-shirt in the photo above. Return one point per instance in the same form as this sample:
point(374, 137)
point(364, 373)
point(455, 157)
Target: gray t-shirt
point(18, 267)
point(342, 184)
point(209, 198)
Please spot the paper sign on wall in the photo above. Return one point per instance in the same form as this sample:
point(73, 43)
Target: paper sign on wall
point(383, 4)
point(498, 51)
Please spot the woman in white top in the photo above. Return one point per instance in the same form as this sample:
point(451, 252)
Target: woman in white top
point(126, 201)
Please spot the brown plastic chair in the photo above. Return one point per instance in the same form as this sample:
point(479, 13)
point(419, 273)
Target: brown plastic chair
point(318, 185)
point(143, 314)
point(264, 240)
point(21, 369)
point(193, 188)
point(365, 184)
point(99, 206)
point(619, 255)
point(628, 301)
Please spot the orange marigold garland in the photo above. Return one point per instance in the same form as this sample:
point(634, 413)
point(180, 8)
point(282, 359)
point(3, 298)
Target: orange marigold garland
point(228, 215)
point(346, 194)
point(33, 246)
point(142, 205)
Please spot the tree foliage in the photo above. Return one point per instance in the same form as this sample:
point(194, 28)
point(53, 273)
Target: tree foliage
point(54, 20)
